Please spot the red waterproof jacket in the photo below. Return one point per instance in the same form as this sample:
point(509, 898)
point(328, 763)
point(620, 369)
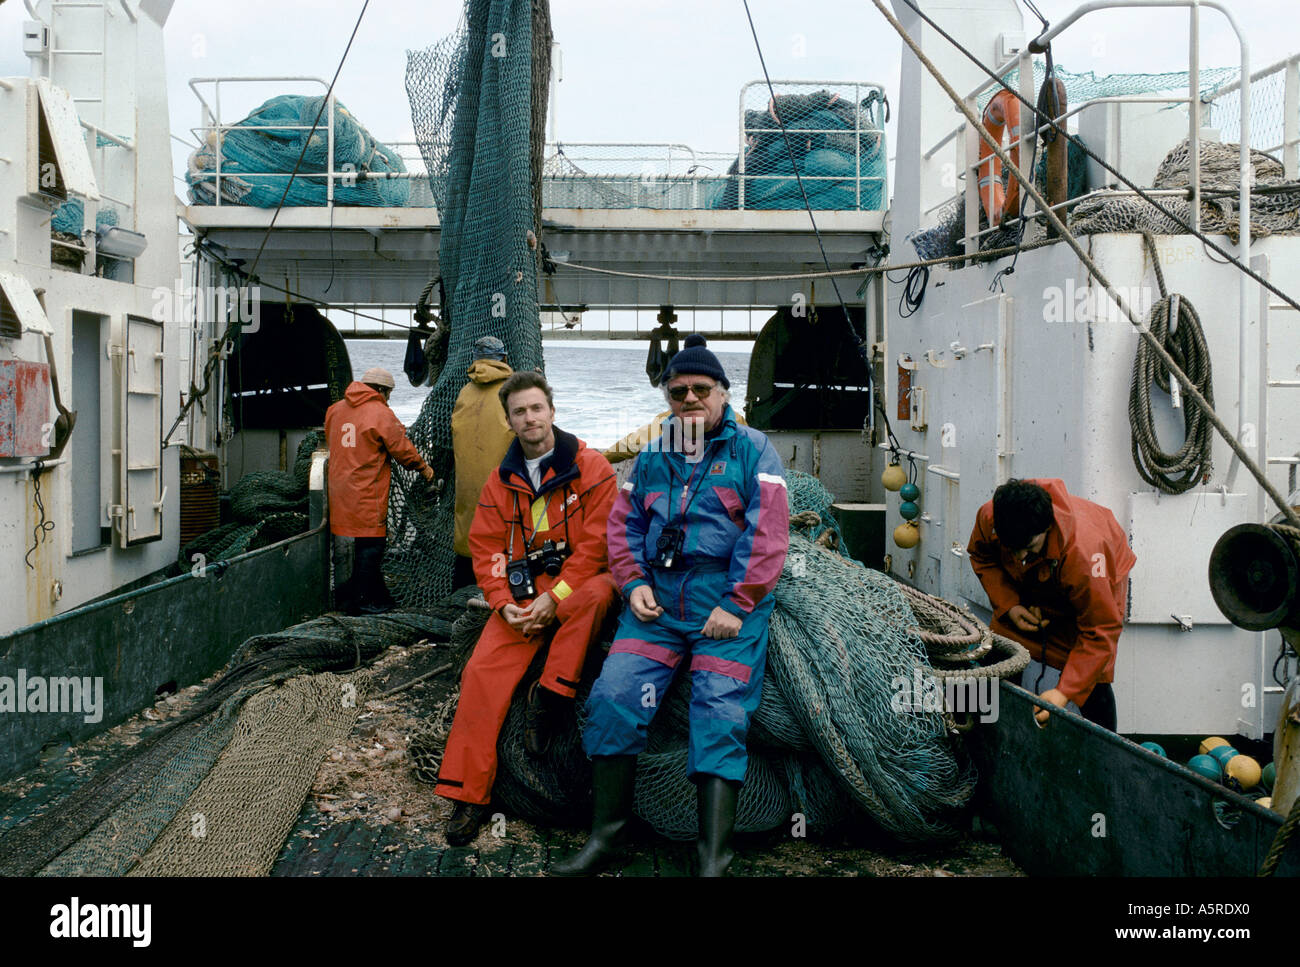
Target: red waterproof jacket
point(363, 433)
point(572, 505)
point(1080, 581)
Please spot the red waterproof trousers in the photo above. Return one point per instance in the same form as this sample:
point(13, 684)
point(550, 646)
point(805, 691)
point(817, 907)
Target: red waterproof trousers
point(500, 659)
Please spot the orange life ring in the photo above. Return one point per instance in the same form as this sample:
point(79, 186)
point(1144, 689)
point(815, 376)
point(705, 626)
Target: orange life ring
point(1001, 114)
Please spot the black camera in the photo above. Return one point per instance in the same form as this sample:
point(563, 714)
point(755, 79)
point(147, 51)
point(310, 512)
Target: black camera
point(668, 548)
point(520, 578)
point(547, 559)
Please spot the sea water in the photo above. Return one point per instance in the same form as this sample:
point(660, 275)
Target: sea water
point(600, 386)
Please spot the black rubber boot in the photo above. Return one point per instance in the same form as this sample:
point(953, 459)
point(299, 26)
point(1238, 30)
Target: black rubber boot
point(717, 820)
point(612, 778)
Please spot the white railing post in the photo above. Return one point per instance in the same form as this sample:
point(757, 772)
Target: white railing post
point(216, 100)
point(972, 181)
point(329, 149)
point(1291, 120)
point(1028, 119)
point(1194, 109)
point(740, 167)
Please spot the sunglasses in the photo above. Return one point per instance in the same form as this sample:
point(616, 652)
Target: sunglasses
point(701, 391)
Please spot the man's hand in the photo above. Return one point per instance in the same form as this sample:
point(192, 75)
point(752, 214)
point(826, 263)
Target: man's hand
point(721, 624)
point(517, 617)
point(540, 613)
point(1056, 697)
point(428, 474)
point(1028, 620)
point(643, 604)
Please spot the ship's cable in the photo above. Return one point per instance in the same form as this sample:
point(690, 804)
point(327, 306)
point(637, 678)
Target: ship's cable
point(1027, 184)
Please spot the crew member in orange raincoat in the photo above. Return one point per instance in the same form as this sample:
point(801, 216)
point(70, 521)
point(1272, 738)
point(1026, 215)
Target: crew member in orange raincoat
point(1055, 568)
point(363, 434)
point(550, 490)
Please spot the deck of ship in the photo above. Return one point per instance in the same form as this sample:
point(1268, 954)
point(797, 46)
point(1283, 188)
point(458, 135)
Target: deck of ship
point(348, 827)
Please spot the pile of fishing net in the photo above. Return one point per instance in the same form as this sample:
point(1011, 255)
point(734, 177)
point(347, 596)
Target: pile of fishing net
point(267, 506)
point(1274, 201)
point(258, 154)
point(831, 741)
point(216, 790)
point(834, 142)
point(478, 109)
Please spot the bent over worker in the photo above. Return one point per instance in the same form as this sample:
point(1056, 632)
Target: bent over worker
point(1055, 568)
point(697, 541)
point(363, 435)
point(538, 545)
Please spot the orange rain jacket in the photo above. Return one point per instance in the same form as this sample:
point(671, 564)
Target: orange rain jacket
point(1080, 582)
point(573, 504)
point(363, 433)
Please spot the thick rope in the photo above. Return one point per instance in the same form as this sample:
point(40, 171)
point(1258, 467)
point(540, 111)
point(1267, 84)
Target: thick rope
point(1190, 465)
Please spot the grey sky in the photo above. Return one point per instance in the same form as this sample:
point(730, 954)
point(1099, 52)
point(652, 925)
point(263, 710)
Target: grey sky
point(663, 70)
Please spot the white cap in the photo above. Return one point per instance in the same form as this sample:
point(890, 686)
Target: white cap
point(378, 376)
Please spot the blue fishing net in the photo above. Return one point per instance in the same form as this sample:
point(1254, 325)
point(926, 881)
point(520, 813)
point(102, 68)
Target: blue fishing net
point(259, 153)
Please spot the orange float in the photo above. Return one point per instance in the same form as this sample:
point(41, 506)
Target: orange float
point(1001, 113)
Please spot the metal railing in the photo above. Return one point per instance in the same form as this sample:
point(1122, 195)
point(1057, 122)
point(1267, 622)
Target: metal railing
point(1023, 62)
point(860, 90)
point(588, 174)
point(1276, 130)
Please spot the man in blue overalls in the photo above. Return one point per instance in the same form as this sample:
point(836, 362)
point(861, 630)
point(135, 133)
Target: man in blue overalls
point(697, 539)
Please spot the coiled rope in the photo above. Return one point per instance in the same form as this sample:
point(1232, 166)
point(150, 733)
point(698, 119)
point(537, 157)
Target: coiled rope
point(1174, 324)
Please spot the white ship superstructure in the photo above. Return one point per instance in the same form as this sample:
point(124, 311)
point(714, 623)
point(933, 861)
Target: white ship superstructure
point(1029, 375)
point(89, 127)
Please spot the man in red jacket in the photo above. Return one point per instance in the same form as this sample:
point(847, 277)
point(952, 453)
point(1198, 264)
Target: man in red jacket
point(363, 434)
point(1055, 568)
point(538, 546)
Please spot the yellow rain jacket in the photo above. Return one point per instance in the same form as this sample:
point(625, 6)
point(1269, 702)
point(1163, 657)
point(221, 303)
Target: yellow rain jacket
point(480, 438)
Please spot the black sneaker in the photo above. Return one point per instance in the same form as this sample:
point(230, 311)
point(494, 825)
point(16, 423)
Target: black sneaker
point(466, 820)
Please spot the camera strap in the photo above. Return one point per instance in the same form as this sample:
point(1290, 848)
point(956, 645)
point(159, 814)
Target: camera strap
point(686, 501)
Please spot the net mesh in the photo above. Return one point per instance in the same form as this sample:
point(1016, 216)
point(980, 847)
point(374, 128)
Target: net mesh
point(258, 154)
point(478, 101)
point(267, 506)
point(1274, 200)
point(268, 730)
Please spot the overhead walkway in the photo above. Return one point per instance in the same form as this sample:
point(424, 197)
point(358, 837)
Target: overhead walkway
point(652, 209)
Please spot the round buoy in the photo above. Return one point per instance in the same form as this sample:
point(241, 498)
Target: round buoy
point(1206, 766)
point(908, 510)
point(1213, 742)
point(1223, 754)
point(1243, 772)
point(894, 477)
point(907, 535)
point(909, 491)
point(1155, 747)
point(1268, 776)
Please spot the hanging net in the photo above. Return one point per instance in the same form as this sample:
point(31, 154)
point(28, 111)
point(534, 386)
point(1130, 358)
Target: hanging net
point(478, 102)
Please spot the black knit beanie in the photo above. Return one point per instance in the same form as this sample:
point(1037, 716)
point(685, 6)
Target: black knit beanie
point(695, 360)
